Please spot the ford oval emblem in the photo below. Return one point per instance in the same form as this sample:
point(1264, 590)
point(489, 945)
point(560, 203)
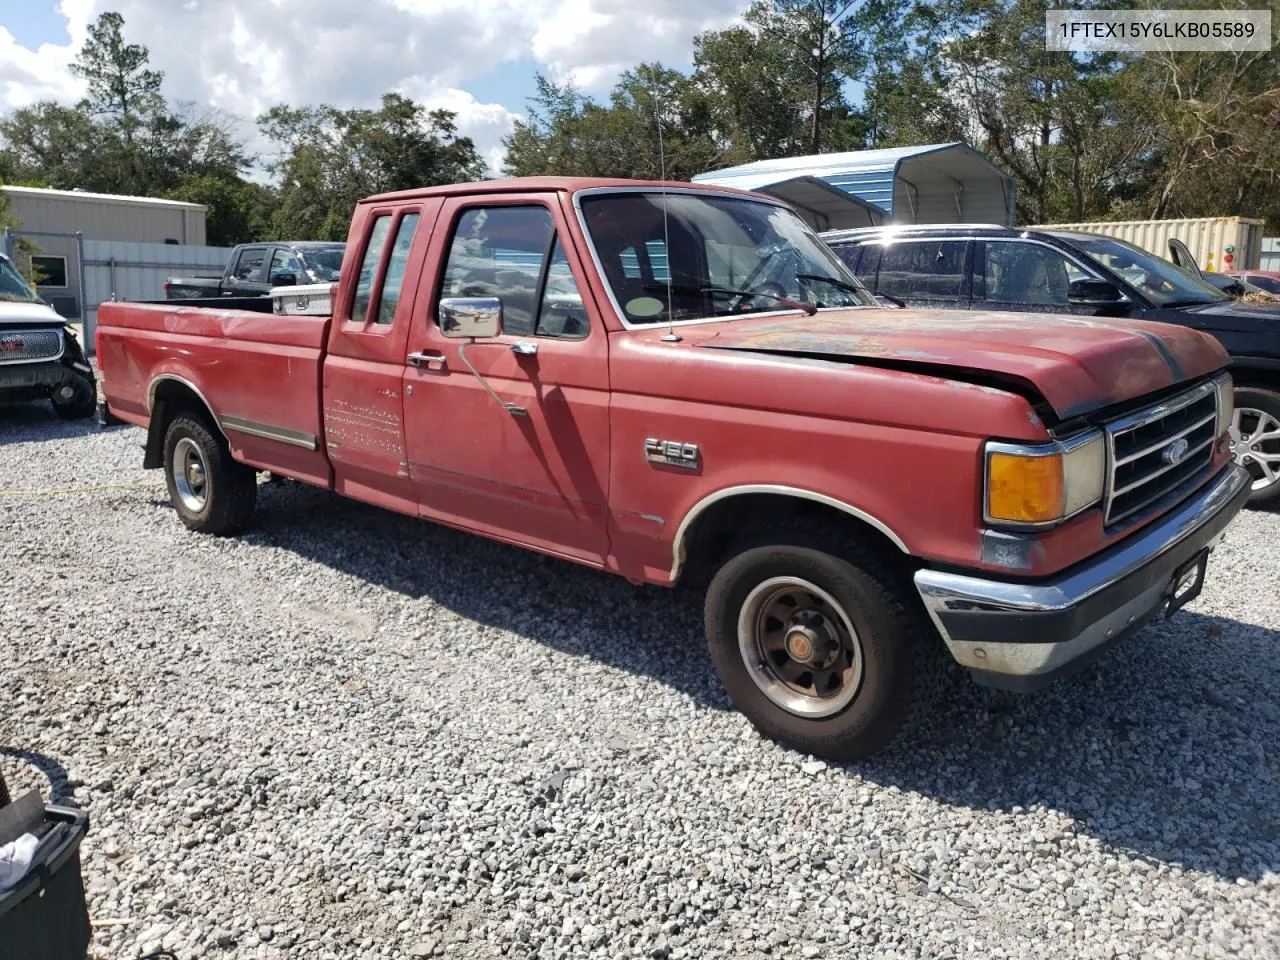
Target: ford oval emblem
point(1174, 452)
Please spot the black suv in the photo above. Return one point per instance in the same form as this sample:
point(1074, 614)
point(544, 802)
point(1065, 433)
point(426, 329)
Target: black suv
point(988, 267)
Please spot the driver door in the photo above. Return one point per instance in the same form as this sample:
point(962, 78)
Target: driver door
point(535, 474)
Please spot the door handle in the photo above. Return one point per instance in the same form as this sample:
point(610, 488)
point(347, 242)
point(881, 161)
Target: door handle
point(425, 358)
point(524, 348)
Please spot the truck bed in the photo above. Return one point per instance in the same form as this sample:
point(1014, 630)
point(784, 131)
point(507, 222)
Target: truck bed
point(258, 372)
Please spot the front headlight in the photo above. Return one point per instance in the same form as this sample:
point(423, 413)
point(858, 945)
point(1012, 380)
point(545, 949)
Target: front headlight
point(1036, 484)
point(1226, 403)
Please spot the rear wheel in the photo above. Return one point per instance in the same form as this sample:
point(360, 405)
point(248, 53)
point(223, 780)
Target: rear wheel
point(812, 639)
point(210, 490)
point(1255, 440)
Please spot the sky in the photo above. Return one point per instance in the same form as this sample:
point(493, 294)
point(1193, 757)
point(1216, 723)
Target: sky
point(475, 57)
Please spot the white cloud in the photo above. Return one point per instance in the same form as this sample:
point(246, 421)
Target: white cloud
point(485, 123)
point(27, 76)
point(244, 58)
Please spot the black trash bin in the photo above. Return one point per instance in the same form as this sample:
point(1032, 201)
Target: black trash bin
point(44, 915)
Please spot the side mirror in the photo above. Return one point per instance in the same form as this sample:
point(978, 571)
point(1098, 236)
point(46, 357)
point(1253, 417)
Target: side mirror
point(284, 280)
point(1092, 291)
point(470, 316)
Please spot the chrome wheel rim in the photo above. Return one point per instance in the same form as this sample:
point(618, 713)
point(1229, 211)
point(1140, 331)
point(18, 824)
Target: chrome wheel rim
point(1255, 444)
point(190, 478)
point(800, 647)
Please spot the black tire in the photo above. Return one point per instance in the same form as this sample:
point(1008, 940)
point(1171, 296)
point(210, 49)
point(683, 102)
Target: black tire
point(82, 404)
point(1267, 402)
point(873, 596)
point(223, 502)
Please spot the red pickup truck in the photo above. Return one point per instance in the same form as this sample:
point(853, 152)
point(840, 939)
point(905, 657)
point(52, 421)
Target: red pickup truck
point(668, 382)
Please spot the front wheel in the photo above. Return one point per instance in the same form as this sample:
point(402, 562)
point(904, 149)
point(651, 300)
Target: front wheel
point(210, 490)
point(812, 639)
point(1255, 440)
point(76, 399)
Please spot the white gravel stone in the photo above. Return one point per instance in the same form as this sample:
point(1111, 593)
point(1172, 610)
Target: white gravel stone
point(351, 734)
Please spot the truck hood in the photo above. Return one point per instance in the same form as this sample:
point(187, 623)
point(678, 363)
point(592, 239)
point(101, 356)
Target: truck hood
point(1076, 364)
point(22, 314)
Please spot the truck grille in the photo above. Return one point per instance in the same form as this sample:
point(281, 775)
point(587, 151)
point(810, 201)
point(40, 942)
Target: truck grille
point(1155, 450)
point(23, 346)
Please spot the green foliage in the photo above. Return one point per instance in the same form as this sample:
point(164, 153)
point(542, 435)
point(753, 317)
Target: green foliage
point(654, 115)
point(330, 158)
point(237, 211)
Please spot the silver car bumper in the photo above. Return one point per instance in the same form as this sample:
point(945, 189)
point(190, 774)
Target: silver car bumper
point(1021, 636)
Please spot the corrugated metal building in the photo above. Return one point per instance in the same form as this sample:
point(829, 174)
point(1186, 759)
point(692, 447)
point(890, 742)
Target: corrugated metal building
point(935, 183)
point(50, 219)
point(106, 216)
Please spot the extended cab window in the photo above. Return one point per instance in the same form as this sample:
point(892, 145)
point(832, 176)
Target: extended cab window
point(513, 253)
point(369, 266)
point(916, 269)
point(394, 279)
point(1012, 271)
point(249, 266)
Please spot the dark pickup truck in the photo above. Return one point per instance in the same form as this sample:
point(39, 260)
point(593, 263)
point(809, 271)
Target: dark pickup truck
point(254, 268)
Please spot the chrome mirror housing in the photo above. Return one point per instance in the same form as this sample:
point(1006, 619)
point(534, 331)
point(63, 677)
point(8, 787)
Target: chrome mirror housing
point(470, 316)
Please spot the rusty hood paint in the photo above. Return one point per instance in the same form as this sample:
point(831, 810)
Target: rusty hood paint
point(1077, 364)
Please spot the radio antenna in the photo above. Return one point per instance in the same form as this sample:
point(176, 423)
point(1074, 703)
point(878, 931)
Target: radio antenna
point(670, 336)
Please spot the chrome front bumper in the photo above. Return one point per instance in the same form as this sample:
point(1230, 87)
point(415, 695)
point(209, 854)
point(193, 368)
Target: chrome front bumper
point(1020, 636)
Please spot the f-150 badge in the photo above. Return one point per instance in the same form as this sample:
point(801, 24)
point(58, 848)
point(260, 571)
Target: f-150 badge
point(672, 453)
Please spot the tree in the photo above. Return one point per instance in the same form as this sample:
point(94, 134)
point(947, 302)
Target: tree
point(236, 211)
point(777, 82)
point(57, 146)
point(329, 158)
point(656, 122)
point(906, 97)
point(1215, 130)
point(120, 85)
point(1051, 119)
point(754, 87)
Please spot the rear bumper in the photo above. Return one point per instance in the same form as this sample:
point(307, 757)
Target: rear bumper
point(1021, 636)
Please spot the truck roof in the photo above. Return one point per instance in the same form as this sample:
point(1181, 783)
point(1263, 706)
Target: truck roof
point(559, 184)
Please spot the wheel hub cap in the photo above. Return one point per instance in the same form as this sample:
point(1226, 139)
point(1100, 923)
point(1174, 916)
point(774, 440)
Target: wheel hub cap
point(189, 478)
point(800, 647)
point(802, 644)
point(1254, 437)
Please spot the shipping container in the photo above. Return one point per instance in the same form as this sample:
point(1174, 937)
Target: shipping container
point(1217, 243)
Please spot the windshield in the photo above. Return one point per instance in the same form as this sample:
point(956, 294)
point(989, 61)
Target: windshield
point(711, 256)
point(1159, 280)
point(323, 264)
point(12, 285)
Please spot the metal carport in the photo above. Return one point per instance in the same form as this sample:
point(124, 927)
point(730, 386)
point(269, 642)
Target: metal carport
point(937, 183)
point(824, 207)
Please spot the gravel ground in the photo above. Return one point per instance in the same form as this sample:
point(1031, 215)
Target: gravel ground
point(350, 734)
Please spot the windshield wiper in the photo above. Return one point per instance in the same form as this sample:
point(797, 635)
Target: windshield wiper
point(852, 288)
point(684, 288)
